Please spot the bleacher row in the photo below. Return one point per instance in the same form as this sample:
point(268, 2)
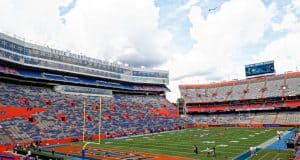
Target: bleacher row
point(264, 87)
point(285, 117)
point(63, 114)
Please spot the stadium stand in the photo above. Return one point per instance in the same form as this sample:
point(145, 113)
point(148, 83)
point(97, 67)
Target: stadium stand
point(260, 93)
point(123, 114)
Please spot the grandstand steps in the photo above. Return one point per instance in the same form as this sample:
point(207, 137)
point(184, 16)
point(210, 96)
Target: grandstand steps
point(42, 130)
point(275, 118)
point(252, 119)
point(245, 91)
point(283, 94)
point(214, 94)
point(18, 135)
point(229, 93)
point(200, 97)
point(5, 138)
point(264, 89)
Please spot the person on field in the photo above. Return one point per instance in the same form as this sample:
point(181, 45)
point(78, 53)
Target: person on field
point(279, 133)
point(214, 152)
point(195, 149)
point(252, 151)
point(208, 151)
point(52, 151)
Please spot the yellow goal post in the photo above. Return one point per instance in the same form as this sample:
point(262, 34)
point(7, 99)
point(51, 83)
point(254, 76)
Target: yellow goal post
point(84, 129)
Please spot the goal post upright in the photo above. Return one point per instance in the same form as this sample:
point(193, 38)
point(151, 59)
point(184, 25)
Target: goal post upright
point(85, 143)
point(84, 116)
point(99, 118)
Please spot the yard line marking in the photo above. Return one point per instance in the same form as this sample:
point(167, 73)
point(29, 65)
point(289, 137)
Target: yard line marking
point(276, 156)
point(264, 156)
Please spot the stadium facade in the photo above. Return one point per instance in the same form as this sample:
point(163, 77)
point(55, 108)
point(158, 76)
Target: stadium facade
point(19, 52)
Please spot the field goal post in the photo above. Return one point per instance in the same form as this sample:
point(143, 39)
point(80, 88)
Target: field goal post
point(85, 143)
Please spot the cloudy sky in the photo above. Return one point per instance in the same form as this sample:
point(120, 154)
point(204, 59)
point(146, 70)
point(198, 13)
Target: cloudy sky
point(198, 41)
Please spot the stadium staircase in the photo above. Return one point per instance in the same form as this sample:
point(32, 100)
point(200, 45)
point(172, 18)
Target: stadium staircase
point(229, 93)
point(275, 119)
point(245, 91)
point(264, 89)
point(285, 85)
point(252, 119)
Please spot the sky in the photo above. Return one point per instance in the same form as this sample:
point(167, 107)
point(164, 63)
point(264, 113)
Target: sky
point(197, 41)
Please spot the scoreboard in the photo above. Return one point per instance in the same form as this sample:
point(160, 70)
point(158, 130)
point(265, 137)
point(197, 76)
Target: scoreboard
point(259, 68)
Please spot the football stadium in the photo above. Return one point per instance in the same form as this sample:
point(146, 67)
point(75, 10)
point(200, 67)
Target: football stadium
point(149, 80)
point(60, 105)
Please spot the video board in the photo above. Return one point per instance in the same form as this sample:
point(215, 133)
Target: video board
point(259, 68)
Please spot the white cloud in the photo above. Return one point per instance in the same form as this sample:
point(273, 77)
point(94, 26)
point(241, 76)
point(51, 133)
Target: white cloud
point(103, 29)
point(31, 18)
point(296, 4)
point(285, 50)
point(219, 40)
point(289, 22)
point(188, 4)
point(108, 29)
point(294, 7)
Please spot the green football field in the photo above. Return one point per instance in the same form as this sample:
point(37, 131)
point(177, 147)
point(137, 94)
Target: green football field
point(229, 142)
